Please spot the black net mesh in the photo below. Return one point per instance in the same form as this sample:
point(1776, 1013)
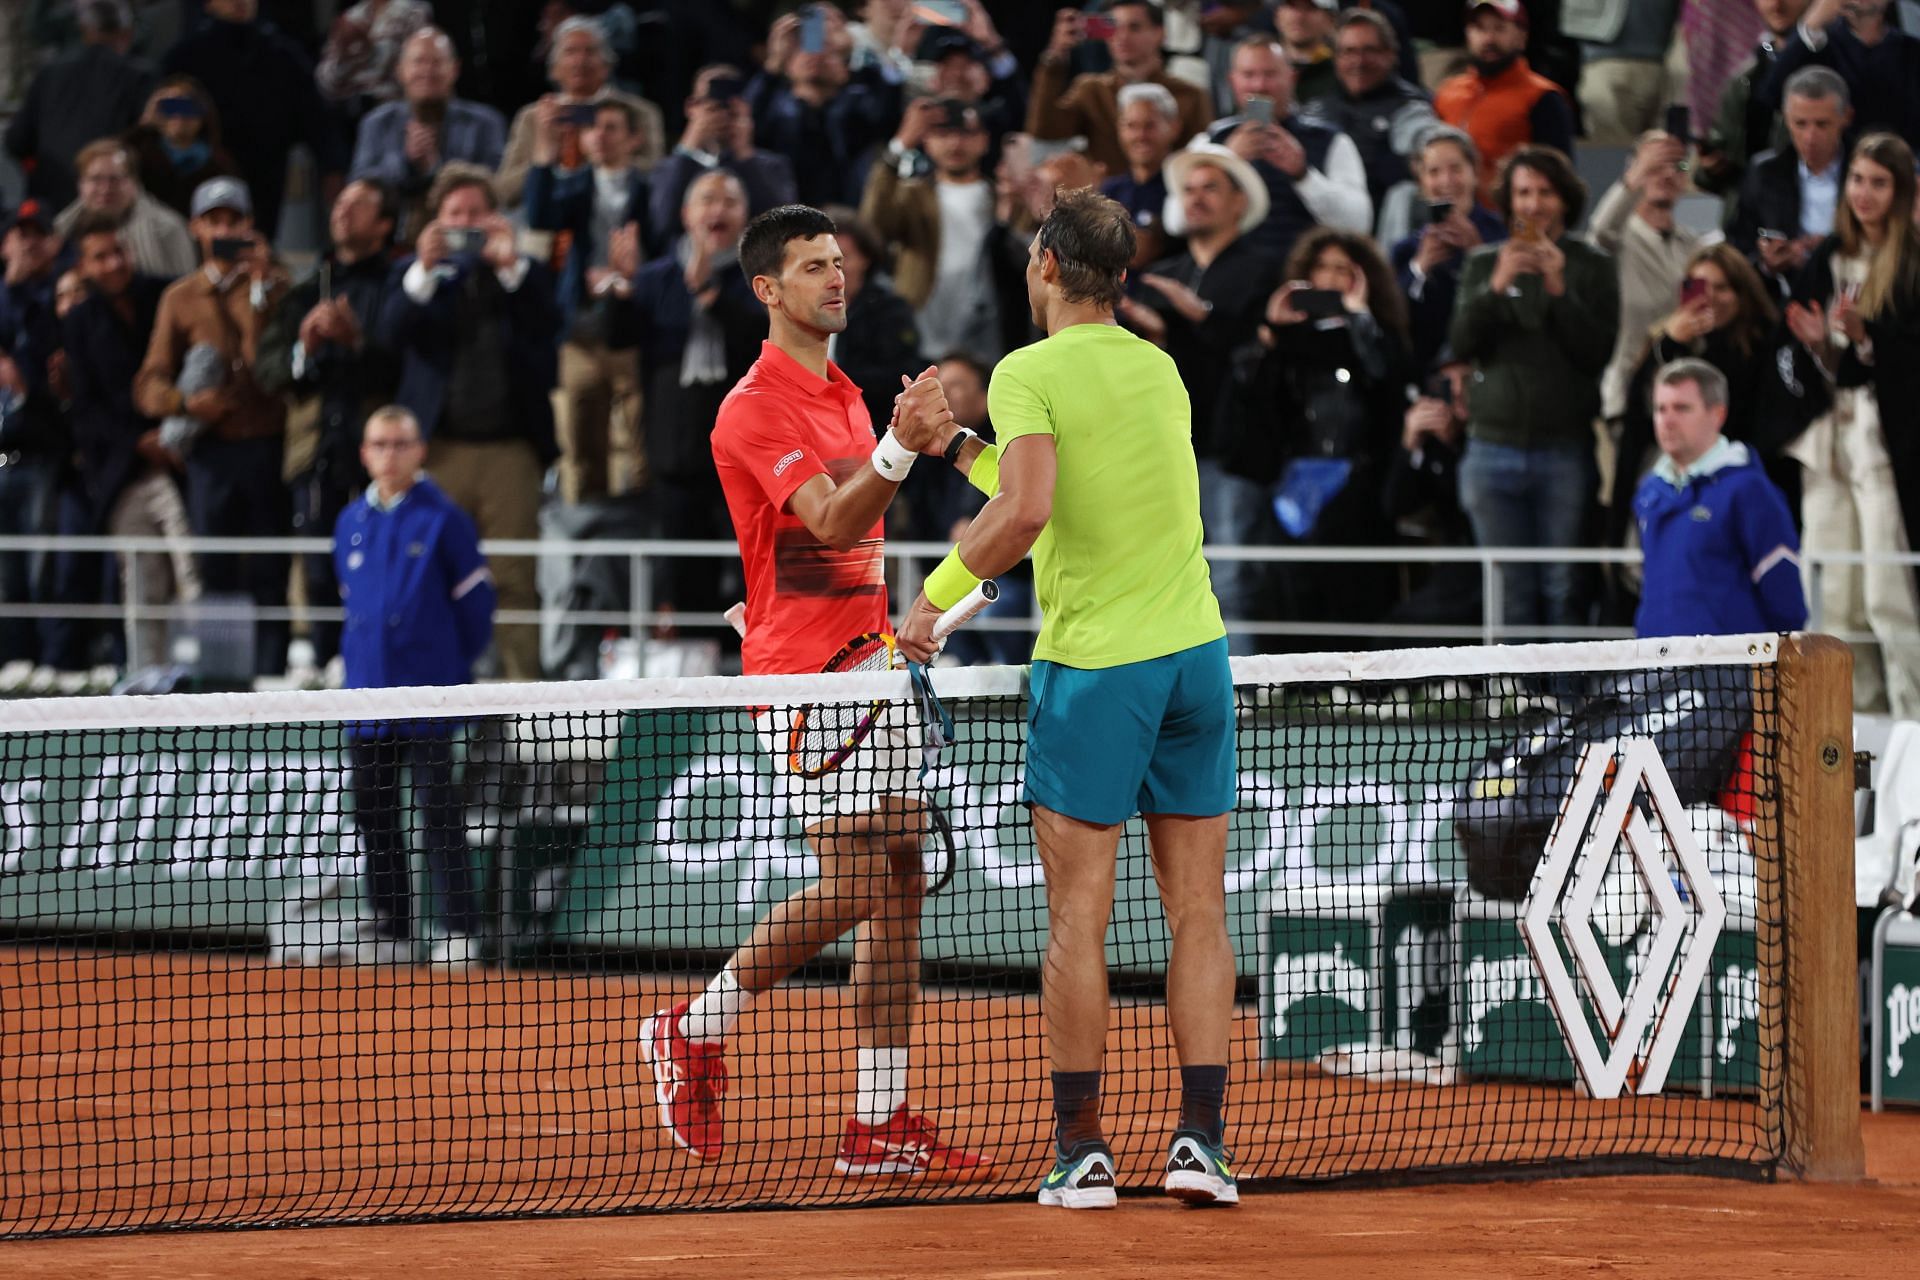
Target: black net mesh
point(404, 969)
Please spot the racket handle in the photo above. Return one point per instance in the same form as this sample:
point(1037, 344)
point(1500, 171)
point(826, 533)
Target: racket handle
point(973, 602)
point(737, 618)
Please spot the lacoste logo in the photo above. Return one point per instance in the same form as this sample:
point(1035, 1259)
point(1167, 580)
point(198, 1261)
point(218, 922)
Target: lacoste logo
point(787, 461)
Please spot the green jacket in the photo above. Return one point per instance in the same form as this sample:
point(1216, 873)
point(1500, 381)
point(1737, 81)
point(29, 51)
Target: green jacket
point(1537, 360)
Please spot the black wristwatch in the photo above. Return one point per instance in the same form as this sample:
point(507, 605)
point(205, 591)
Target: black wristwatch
point(959, 441)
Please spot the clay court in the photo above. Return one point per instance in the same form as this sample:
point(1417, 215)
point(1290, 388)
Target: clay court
point(161, 1089)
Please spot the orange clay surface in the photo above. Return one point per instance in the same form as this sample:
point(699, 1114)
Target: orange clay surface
point(165, 1089)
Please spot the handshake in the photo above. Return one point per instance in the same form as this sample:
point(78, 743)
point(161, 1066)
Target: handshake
point(922, 421)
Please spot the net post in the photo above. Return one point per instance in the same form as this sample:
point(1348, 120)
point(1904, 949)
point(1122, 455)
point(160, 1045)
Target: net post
point(1818, 1065)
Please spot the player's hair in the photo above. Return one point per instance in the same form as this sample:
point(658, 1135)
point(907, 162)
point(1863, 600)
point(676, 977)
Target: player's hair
point(763, 248)
point(1370, 18)
point(1817, 84)
point(1092, 239)
point(392, 413)
point(455, 175)
point(1711, 382)
point(1550, 163)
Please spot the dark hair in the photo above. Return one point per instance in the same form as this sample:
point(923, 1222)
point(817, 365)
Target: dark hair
point(456, 175)
point(1758, 313)
point(1156, 15)
point(93, 223)
point(625, 109)
point(1550, 163)
point(1384, 299)
point(1092, 238)
point(763, 247)
point(209, 114)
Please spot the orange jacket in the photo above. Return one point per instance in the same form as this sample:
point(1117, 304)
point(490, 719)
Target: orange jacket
point(1498, 114)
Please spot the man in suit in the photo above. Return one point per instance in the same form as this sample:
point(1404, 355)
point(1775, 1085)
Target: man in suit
point(600, 206)
point(475, 324)
point(403, 144)
point(1788, 198)
point(128, 479)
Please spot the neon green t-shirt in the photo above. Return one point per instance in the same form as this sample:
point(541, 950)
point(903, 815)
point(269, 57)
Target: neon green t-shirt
point(1118, 568)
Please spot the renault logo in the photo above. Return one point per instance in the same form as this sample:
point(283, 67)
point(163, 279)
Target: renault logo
point(1643, 1026)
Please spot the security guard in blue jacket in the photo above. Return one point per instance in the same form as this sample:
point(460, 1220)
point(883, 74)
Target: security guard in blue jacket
point(419, 601)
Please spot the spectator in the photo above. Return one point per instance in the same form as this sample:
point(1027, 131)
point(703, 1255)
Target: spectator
point(232, 434)
point(1383, 114)
point(579, 63)
point(1313, 172)
point(1857, 307)
point(1745, 123)
point(1149, 118)
point(1719, 40)
point(1306, 33)
point(1089, 107)
point(1499, 100)
point(1427, 261)
point(1774, 386)
point(402, 145)
point(1623, 76)
point(699, 329)
point(882, 337)
point(34, 441)
point(1334, 386)
point(810, 107)
point(262, 83)
point(90, 93)
point(176, 145)
point(939, 223)
point(718, 135)
point(420, 601)
point(128, 479)
point(600, 207)
point(475, 324)
point(1787, 201)
point(973, 65)
point(155, 235)
point(366, 43)
point(1879, 62)
point(1721, 556)
point(1201, 306)
point(1537, 316)
point(1422, 498)
point(318, 350)
point(1634, 223)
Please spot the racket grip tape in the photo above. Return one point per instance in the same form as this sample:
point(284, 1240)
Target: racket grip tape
point(971, 603)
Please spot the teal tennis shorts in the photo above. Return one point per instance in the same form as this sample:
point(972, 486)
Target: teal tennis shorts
point(1146, 737)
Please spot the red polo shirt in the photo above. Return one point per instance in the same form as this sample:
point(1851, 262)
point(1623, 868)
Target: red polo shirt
point(779, 428)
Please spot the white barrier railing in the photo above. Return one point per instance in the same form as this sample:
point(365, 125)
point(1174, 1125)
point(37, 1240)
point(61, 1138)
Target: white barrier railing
point(906, 562)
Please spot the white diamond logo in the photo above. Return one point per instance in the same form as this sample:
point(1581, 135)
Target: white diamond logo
point(1653, 1011)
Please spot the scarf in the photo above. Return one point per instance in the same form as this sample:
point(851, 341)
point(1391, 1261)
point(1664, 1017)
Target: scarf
point(190, 158)
point(704, 361)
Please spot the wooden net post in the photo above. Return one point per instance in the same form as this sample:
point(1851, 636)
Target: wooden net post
point(1819, 1064)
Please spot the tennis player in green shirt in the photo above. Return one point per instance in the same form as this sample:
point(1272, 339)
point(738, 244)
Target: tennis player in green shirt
point(1131, 700)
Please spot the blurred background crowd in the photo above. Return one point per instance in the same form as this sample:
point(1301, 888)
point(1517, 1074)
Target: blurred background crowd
point(1417, 261)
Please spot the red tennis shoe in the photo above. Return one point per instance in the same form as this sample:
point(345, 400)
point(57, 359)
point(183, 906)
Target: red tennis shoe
point(689, 1080)
point(908, 1143)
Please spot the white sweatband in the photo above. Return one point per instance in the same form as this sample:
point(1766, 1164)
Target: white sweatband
point(892, 459)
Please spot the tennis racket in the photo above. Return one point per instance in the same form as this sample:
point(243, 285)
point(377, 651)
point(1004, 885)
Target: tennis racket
point(825, 734)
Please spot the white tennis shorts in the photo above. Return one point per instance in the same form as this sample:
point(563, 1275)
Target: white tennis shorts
point(886, 763)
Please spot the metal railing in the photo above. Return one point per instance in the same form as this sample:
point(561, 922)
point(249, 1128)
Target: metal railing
point(906, 564)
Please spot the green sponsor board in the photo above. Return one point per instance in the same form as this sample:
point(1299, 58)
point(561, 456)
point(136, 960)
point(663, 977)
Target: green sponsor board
point(1900, 1007)
point(1319, 988)
point(1509, 1030)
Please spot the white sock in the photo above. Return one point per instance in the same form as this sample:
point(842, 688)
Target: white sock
point(882, 1085)
point(710, 1018)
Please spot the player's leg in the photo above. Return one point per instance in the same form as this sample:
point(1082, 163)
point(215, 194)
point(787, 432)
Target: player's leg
point(1187, 796)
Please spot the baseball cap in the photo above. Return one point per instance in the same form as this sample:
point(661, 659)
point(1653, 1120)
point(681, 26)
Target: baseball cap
point(31, 211)
point(222, 193)
point(942, 42)
point(1512, 10)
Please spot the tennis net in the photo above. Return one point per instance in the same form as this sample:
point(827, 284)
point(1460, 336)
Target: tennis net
point(379, 955)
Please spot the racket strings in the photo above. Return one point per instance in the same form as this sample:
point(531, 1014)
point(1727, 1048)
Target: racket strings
point(825, 733)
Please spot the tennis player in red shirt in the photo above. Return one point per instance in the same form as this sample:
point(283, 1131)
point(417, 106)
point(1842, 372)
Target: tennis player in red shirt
point(807, 486)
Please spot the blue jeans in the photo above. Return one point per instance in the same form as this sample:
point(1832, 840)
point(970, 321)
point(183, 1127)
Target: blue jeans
point(1531, 498)
point(28, 488)
point(1236, 512)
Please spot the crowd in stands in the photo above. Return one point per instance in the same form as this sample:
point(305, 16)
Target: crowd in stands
point(1401, 314)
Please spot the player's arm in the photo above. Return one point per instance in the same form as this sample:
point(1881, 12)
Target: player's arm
point(998, 539)
point(840, 515)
